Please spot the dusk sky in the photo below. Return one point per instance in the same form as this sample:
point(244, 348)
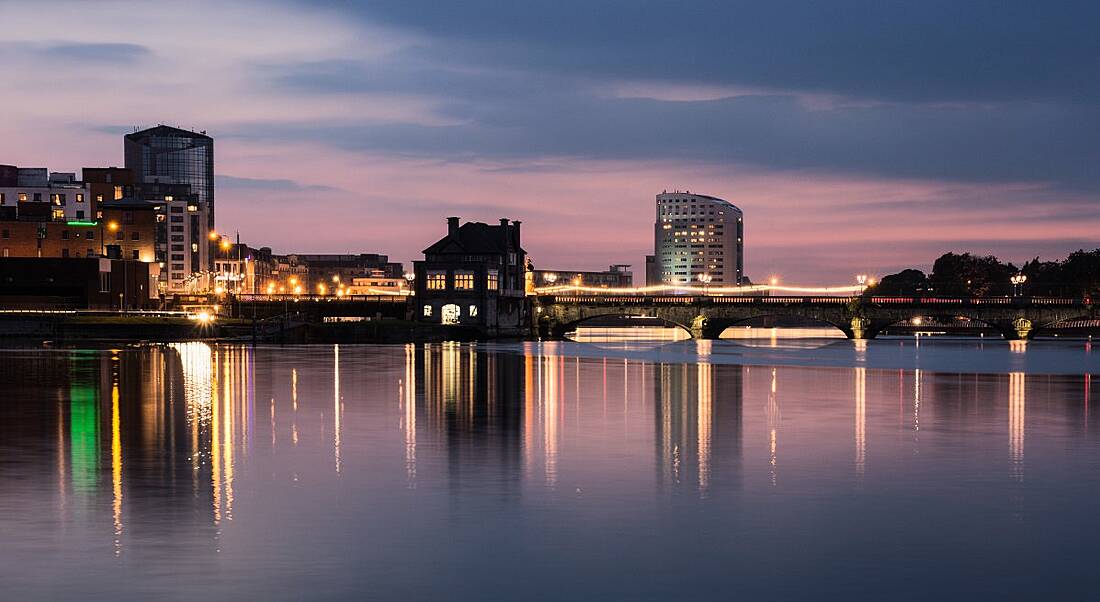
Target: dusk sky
point(857, 136)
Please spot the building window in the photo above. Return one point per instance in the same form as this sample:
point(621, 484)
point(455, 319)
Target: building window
point(89, 235)
point(135, 236)
point(65, 253)
point(120, 235)
point(104, 282)
point(22, 197)
point(473, 311)
point(492, 280)
point(99, 198)
point(427, 310)
point(80, 197)
point(437, 280)
point(464, 280)
point(118, 193)
point(511, 258)
point(450, 314)
point(58, 214)
point(136, 254)
point(64, 235)
point(79, 215)
point(5, 233)
point(3, 198)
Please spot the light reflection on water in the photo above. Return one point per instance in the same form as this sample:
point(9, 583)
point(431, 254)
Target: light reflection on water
point(453, 471)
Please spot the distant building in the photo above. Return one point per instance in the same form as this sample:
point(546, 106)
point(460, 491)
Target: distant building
point(330, 269)
point(130, 229)
point(652, 271)
point(56, 196)
point(241, 269)
point(85, 283)
point(615, 276)
point(108, 184)
point(474, 275)
point(168, 155)
point(182, 240)
point(377, 283)
point(289, 275)
point(697, 236)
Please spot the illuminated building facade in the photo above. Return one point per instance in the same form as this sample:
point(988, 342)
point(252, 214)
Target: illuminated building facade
point(698, 239)
point(615, 276)
point(39, 194)
point(242, 269)
point(474, 275)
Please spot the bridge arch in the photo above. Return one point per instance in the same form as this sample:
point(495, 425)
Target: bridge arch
point(1045, 327)
point(566, 327)
point(1007, 329)
point(717, 325)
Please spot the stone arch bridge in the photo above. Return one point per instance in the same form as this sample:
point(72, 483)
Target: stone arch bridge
point(858, 317)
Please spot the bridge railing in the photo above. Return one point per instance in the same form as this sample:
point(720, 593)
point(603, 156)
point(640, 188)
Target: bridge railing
point(811, 300)
point(320, 298)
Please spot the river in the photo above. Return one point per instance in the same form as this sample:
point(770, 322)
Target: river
point(608, 470)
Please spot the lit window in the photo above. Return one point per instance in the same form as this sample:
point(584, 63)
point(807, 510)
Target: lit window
point(22, 197)
point(118, 193)
point(437, 280)
point(492, 281)
point(58, 214)
point(464, 280)
point(79, 197)
point(427, 311)
point(473, 311)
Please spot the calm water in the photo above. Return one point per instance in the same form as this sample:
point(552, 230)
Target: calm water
point(560, 471)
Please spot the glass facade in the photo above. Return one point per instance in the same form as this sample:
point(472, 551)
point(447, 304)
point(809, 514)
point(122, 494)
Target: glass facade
point(174, 156)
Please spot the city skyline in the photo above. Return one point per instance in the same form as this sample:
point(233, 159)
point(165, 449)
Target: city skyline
point(877, 142)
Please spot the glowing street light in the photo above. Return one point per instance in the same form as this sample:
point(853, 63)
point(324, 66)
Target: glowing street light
point(705, 279)
point(1017, 281)
point(861, 279)
point(112, 226)
point(774, 281)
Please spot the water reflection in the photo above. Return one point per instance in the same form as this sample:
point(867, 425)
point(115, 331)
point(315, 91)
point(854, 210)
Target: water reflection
point(154, 454)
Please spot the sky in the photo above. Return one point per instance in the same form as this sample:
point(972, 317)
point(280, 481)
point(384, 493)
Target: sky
point(857, 136)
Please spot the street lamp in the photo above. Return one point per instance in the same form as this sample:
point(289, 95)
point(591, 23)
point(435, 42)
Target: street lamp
point(1017, 281)
point(705, 279)
point(551, 278)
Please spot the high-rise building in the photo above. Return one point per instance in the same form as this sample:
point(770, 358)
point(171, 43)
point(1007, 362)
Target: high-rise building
point(168, 155)
point(698, 239)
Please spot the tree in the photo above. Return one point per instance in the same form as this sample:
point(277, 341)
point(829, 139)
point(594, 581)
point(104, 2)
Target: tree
point(906, 283)
point(969, 275)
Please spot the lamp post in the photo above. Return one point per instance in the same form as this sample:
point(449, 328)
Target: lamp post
point(705, 279)
point(1017, 281)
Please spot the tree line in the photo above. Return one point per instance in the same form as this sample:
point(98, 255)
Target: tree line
point(954, 274)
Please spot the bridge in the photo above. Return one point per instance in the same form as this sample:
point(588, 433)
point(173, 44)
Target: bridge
point(858, 317)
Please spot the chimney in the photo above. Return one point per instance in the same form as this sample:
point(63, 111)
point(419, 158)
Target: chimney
point(504, 233)
point(515, 226)
point(452, 226)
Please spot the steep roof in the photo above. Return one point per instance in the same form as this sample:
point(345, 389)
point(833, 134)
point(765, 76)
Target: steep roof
point(476, 238)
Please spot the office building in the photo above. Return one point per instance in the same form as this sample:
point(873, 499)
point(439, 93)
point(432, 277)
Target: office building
point(697, 239)
point(165, 155)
